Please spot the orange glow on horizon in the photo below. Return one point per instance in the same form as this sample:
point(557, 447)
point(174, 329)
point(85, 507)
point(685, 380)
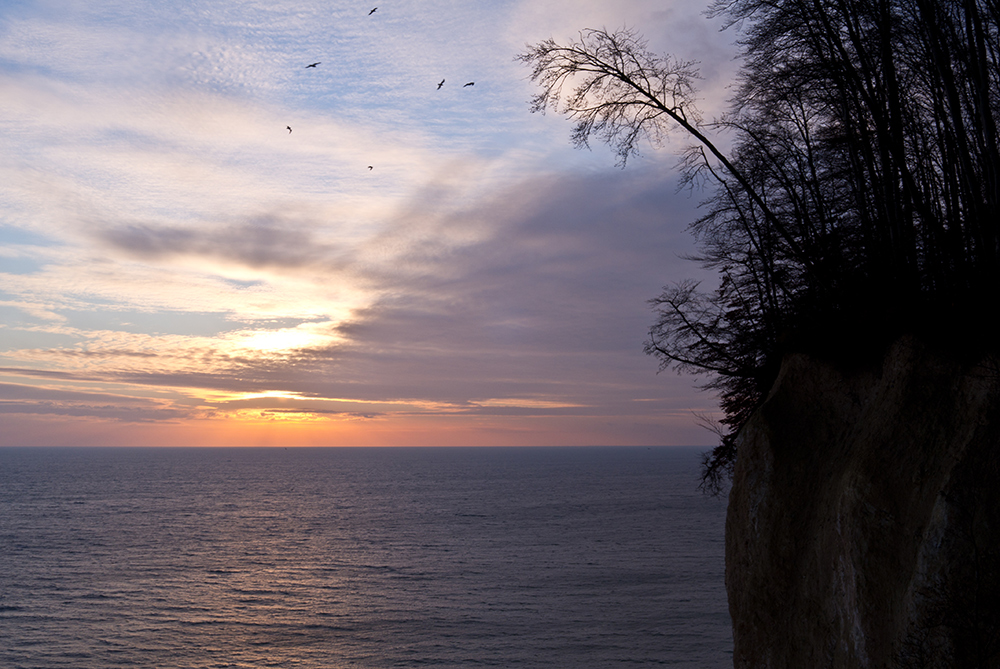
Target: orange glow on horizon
point(358, 431)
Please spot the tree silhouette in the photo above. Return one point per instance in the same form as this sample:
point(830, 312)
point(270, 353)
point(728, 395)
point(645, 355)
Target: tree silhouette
point(859, 199)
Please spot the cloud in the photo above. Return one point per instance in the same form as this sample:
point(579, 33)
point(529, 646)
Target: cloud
point(29, 399)
point(538, 293)
point(205, 256)
point(262, 243)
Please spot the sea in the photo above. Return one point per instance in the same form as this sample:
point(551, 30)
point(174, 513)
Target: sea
point(360, 557)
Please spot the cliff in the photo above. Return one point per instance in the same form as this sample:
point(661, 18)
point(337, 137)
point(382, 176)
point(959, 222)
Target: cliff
point(864, 526)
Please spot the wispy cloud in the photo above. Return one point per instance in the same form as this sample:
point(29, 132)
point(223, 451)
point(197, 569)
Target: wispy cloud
point(540, 298)
point(170, 249)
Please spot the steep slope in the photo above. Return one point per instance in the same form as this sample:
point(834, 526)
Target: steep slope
point(864, 519)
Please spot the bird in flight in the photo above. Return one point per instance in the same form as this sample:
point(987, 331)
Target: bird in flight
point(373, 11)
point(441, 84)
point(311, 65)
point(369, 167)
point(471, 83)
point(289, 129)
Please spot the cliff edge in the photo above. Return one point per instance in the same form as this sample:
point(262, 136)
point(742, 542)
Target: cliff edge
point(864, 519)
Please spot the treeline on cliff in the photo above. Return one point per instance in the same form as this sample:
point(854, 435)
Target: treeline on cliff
point(858, 198)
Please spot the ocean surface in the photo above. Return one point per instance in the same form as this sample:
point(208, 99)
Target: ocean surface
point(374, 558)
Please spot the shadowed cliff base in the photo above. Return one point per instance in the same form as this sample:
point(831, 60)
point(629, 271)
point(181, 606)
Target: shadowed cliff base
point(864, 524)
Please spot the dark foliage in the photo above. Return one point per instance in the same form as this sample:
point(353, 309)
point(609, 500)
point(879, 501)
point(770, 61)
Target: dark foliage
point(859, 199)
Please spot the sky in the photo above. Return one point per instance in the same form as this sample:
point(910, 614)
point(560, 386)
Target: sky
point(409, 265)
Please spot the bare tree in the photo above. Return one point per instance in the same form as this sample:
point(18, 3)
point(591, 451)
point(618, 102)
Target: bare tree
point(623, 93)
point(620, 90)
point(613, 87)
point(860, 197)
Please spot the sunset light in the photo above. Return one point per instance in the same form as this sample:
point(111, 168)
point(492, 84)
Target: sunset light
point(569, 334)
point(285, 341)
point(197, 229)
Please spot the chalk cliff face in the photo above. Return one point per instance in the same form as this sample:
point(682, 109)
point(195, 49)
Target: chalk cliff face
point(864, 519)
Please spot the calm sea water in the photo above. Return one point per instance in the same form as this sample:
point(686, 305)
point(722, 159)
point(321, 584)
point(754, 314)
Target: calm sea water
point(309, 558)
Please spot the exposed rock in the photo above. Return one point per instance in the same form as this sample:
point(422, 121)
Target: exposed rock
point(864, 520)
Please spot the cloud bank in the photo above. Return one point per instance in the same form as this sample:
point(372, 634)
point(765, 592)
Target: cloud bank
point(176, 264)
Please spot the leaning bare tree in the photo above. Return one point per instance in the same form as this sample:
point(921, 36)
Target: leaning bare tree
point(859, 199)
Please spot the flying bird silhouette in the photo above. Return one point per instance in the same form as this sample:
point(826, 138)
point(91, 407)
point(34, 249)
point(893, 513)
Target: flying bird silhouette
point(369, 167)
point(441, 84)
point(471, 83)
point(289, 129)
point(312, 65)
point(373, 11)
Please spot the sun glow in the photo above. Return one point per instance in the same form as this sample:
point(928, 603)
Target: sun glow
point(267, 394)
point(526, 403)
point(286, 340)
point(277, 416)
